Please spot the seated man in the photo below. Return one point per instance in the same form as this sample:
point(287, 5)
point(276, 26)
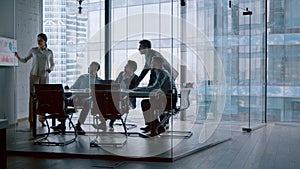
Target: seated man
point(164, 83)
point(128, 80)
point(83, 82)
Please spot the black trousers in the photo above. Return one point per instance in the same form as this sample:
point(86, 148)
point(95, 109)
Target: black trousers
point(152, 108)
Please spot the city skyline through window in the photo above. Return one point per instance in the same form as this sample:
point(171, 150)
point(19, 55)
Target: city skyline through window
point(78, 39)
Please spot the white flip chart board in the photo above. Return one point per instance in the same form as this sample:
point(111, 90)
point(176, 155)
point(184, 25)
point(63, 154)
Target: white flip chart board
point(7, 48)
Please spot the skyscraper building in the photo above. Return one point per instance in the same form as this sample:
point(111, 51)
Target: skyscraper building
point(67, 31)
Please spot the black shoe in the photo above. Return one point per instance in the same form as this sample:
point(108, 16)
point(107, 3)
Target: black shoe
point(157, 131)
point(152, 126)
point(146, 129)
point(79, 130)
point(59, 127)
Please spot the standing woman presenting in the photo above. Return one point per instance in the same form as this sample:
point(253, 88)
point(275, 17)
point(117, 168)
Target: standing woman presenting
point(42, 65)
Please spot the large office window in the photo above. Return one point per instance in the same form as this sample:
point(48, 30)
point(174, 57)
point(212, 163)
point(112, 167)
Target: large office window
point(78, 39)
point(283, 58)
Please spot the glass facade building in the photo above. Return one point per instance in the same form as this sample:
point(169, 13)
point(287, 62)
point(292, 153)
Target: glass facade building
point(67, 33)
point(283, 58)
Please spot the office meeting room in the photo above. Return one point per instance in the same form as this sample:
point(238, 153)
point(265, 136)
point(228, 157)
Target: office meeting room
point(149, 84)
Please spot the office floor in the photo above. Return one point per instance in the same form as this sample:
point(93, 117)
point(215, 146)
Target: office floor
point(166, 147)
point(271, 147)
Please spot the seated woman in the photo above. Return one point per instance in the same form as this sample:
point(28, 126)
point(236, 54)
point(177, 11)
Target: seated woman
point(128, 80)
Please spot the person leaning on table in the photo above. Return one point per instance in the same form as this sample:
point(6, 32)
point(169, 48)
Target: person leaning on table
point(145, 48)
point(42, 65)
point(164, 83)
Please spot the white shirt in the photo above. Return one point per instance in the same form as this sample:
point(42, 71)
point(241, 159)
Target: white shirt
point(84, 81)
point(42, 60)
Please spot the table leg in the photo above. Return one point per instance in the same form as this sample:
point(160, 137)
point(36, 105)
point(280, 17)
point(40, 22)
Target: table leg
point(3, 155)
point(34, 119)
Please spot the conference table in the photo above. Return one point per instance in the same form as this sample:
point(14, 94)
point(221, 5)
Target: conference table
point(87, 92)
point(131, 93)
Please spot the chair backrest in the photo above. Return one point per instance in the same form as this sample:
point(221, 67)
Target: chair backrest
point(185, 98)
point(49, 98)
point(109, 100)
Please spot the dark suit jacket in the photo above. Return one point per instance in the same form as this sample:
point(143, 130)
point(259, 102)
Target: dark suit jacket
point(163, 82)
point(131, 83)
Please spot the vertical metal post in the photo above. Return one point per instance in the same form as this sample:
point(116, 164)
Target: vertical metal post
point(266, 64)
point(107, 42)
point(249, 69)
point(247, 12)
point(183, 53)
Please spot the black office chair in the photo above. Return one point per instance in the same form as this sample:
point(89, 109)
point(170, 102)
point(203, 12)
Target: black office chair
point(174, 110)
point(50, 101)
point(128, 125)
point(110, 105)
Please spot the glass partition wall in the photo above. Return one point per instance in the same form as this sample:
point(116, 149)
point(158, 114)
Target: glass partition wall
point(218, 49)
point(218, 52)
point(247, 53)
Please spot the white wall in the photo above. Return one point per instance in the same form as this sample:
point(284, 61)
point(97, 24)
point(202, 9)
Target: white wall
point(21, 20)
point(7, 73)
